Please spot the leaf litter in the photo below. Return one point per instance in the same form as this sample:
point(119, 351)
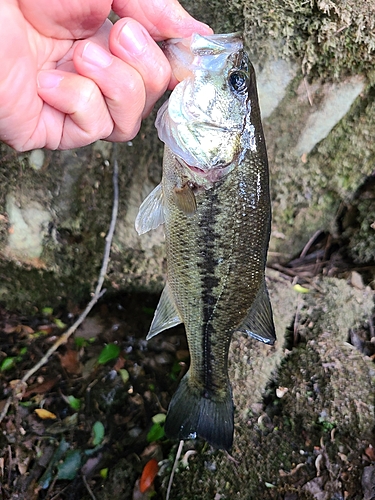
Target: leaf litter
point(100, 399)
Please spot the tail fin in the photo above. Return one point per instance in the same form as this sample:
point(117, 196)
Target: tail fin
point(192, 415)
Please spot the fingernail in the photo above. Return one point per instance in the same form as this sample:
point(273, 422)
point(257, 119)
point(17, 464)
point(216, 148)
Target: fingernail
point(97, 56)
point(48, 80)
point(133, 38)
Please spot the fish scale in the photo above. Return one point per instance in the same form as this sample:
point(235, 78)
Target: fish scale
point(217, 232)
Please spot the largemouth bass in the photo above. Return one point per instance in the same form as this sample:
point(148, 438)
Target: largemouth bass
point(214, 203)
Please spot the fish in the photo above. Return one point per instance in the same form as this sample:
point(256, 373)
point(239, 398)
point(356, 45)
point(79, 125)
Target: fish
point(214, 203)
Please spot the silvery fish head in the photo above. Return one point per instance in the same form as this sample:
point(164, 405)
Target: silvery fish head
point(206, 121)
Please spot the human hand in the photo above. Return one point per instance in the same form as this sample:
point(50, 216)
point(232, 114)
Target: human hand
point(68, 77)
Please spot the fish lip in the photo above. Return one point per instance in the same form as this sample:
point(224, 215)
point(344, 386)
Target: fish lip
point(197, 170)
point(205, 173)
point(202, 171)
point(212, 175)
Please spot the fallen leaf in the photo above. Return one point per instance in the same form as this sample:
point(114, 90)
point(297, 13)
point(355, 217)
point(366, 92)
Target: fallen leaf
point(46, 329)
point(69, 467)
point(124, 375)
point(159, 418)
point(120, 363)
point(300, 289)
point(7, 363)
point(149, 473)
point(44, 414)
point(22, 460)
point(18, 387)
point(91, 464)
point(19, 329)
point(109, 352)
point(97, 433)
point(41, 388)
point(281, 391)
point(70, 362)
point(370, 453)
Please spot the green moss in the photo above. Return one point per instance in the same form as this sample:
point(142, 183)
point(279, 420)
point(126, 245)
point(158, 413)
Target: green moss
point(330, 38)
point(72, 250)
point(29, 290)
point(361, 235)
point(347, 154)
point(307, 194)
point(224, 16)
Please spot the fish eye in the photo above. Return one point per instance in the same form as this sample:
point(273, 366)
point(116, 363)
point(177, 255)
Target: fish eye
point(238, 81)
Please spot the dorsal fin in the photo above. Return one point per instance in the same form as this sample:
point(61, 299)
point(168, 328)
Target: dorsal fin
point(259, 321)
point(166, 314)
point(151, 212)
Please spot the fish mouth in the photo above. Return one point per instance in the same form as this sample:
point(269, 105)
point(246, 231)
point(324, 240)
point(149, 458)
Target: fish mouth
point(197, 170)
point(204, 173)
point(212, 175)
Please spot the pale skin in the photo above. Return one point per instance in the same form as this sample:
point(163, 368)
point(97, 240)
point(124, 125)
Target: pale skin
point(68, 77)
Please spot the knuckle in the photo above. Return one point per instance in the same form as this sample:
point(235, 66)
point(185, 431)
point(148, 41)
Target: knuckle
point(88, 94)
point(105, 131)
point(158, 77)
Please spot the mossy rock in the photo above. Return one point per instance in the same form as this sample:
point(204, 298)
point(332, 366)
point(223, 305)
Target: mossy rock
point(327, 409)
point(73, 189)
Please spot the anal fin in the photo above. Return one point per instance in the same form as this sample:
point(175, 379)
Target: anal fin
point(166, 314)
point(259, 320)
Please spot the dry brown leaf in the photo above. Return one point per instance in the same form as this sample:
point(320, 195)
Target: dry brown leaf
point(9, 328)
point(18, 387)
point(47, 329)
point(22, 460)
point(41, 388)
point(120, 363)
point(70, 362)
point(370, 453)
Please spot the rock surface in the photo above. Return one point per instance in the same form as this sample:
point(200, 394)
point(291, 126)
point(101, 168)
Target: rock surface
point(318, 110)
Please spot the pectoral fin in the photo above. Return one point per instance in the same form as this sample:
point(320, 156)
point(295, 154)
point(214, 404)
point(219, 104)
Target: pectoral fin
point(185, 199)
point(166, 314)
point(259, 321)
point(151, 212)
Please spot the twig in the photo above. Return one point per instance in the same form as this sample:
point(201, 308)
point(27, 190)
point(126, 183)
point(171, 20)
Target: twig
point(96, 296)
point(88, 488)
point(6, 408)
point(10, 463)
point(178, 454)
point(98, 291)
point(309, 244)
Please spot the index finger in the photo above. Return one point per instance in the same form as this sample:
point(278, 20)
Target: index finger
point(162, 19)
